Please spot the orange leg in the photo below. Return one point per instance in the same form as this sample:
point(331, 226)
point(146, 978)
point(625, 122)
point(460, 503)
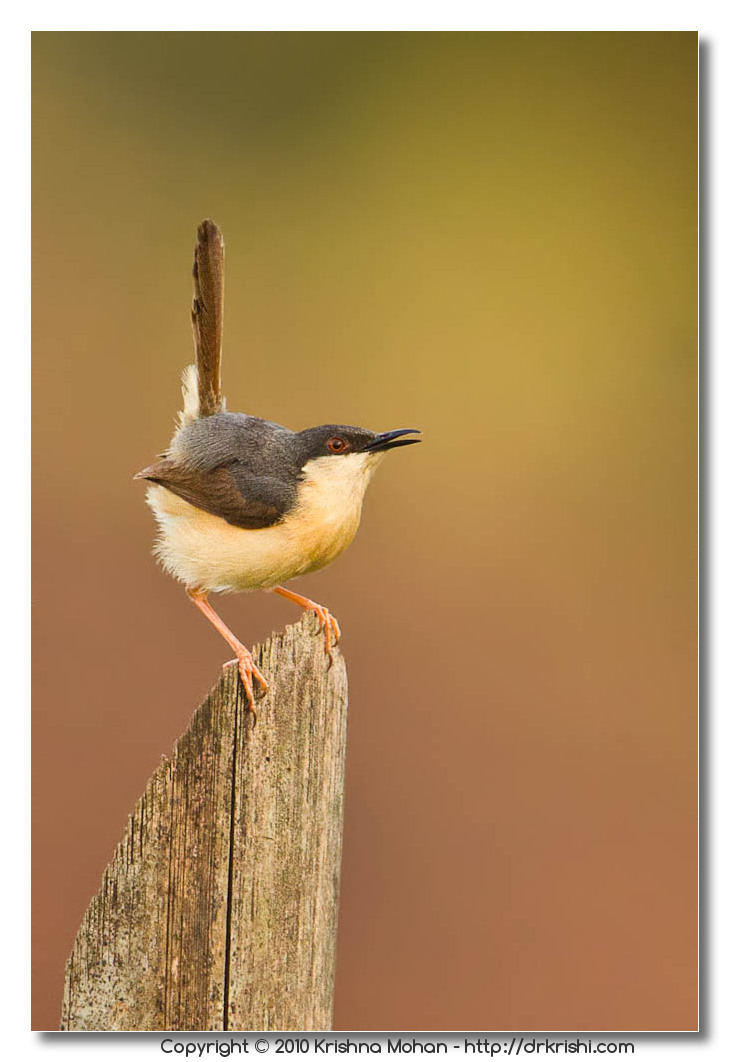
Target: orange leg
point(246, 668)
point(327, 622)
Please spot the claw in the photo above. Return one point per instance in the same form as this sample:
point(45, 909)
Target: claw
point(248, 671)
point(327, 622)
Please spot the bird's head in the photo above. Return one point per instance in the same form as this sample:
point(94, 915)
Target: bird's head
point(343, 454)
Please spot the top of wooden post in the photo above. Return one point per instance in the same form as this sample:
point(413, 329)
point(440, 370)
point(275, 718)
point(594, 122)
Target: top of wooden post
point(218, 909)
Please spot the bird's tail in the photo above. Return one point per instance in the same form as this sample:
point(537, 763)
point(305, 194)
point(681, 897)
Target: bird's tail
point(201, 383)
point(190, 398)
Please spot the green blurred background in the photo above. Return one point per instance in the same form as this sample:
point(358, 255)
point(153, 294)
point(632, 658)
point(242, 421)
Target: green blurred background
point(491, 237)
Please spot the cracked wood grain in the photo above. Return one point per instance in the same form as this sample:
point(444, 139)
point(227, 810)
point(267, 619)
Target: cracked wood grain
point(219, 907)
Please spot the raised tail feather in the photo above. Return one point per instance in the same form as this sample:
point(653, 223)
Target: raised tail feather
point(201, 384)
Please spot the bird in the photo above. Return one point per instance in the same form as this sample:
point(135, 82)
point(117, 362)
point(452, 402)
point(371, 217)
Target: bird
point(244, 504)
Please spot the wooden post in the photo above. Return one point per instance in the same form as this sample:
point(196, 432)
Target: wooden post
point(219, 907)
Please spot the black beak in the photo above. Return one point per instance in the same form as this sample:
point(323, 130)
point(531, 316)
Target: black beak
point(388, 440)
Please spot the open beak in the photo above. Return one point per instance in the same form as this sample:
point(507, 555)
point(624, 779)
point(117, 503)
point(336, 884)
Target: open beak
point(388, 440)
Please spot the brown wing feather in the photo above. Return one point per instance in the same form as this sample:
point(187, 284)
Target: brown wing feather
point(208, 273)
point(244, 501)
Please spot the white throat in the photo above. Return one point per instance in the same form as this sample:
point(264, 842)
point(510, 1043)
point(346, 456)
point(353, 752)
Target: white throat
point(335, 485)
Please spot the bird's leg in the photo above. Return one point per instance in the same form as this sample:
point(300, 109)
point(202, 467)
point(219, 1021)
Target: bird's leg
point(327, 622)
point(246, 668)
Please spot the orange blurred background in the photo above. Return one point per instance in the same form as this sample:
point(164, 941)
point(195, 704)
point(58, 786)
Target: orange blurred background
point(491, 237)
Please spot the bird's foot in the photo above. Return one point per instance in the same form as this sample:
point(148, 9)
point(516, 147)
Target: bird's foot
point(328, 624)
point(243, 657)
point(248, 672)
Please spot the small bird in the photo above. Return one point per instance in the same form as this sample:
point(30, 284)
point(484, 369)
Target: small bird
point(242, 503)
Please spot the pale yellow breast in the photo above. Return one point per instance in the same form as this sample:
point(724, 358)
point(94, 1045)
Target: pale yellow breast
point(204, 551)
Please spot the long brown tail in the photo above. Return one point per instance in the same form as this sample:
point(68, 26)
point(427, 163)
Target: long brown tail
point(208, 273)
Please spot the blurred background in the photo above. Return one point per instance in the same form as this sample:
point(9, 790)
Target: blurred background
point(489, 236)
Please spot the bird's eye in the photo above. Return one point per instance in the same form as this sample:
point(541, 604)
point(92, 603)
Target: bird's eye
point(336, 445)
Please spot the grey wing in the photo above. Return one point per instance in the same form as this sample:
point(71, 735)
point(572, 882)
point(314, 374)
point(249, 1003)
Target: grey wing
point(228, 491)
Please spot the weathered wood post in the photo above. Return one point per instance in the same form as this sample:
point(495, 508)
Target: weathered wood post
point(219, 907)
